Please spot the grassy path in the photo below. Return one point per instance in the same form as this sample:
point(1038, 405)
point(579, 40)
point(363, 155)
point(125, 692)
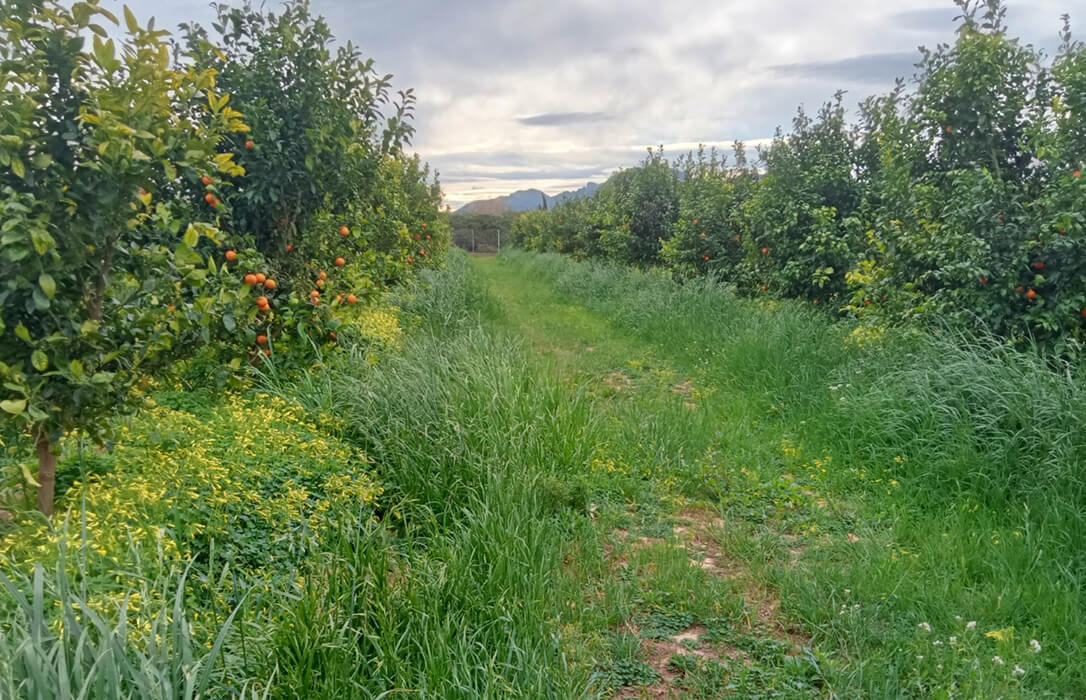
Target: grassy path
point(780, 512)
point(700, 617)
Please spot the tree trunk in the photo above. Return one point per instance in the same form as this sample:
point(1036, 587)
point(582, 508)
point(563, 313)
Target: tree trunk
point(47, 471)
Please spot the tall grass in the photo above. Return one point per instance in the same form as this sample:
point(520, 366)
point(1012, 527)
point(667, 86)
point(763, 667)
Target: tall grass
point(959, 471)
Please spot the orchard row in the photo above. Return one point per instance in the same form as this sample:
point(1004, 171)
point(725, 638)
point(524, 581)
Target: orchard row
point(160, 195)
point(956, 198)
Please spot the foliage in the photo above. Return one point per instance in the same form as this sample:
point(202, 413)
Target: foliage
point(954, 202)
point(132, 237)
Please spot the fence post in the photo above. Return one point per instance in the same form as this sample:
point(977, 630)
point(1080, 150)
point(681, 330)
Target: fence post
point(499, 240)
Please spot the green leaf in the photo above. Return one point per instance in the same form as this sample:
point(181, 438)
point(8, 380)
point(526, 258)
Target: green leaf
point(192, 236)
point(22, 332)
point(13, 406)
point(76, 368)
point(39, 360)
point(88, 327)
point(48, 285)
point(18, 168)
point(130, 21)
point(28, 476)
point(228, 322)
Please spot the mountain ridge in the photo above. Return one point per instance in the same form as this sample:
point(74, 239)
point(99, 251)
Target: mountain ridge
point(525, 200)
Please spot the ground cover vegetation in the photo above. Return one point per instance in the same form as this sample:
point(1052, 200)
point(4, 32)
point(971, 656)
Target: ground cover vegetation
point(957, 197)
point(299, 449)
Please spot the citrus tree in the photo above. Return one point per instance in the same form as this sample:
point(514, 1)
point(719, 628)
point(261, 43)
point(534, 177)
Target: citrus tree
point(104, 262)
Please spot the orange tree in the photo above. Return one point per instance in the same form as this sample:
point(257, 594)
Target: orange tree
point(326, 177)
point(975, 212)
point(103, 262)
point(708, 234)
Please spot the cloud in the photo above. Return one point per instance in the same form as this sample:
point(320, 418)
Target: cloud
point(563, 118)
point(874, 68)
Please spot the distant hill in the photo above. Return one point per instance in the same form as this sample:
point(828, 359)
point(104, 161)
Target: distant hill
point(524, 200)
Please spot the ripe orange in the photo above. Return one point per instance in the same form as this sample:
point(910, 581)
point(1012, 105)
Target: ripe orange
point(323, 275)
point(765, 251)
point(424, 224)
point(410, 260)
point(1039, 265)
point(705, 258)
point(262, 301)
point(351, 298)
point(206, 180)
point(260, 277)
point(267, 352)
point(340, 262)
point(262, 339)
point(703, 234)
point(427, 236)
point(250, 145)
point(1018, 289)
point(289, 247)
point(1031, 294)
point(984, 280)
point(270, 284)
point(1076, 174)
point(249, 279)
point(209, 198)
point(344, 231)
point(320, 284)
point(867, 302)
point(418, 236)
point(339, 298)
point(231, 255)
point(695, 222)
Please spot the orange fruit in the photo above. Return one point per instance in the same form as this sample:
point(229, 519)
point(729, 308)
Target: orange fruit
point(250, 145)
point(424, 224)
point(351, 298)
point(250, 279)
point(206, 180)
point(765, 251)
point(262, 339)
point(270, 284)
point(339, 298)
point(231, 255)
point(984, 280)
point(260, 277)
point(323, 275)
point(427, 236)
point(320, 283)
point(1031, 294)
point(314, 293)
point(705, 258)
point(262, 301)
point(344, 231)
point(210, 199)
point(1076, 174)
point(267, 352)
point(289, 247)
point(1039, 265)
point(703, 234)
point(340, 262)
point(410, 260)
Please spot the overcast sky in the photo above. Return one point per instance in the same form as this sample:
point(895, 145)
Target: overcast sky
point(552, 94)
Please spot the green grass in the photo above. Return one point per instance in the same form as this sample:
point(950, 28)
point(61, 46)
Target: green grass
point(592, 478)
point(949, 479)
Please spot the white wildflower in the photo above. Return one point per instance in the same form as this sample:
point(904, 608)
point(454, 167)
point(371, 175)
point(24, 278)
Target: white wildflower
point(997, 661)
point(1018, 671)
point(953, 639)
point(1035, 645)
point(971, 625)
point(937, 642)
point(925, 626)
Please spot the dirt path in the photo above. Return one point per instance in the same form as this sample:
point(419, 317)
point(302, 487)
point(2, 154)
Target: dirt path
point(700, 619)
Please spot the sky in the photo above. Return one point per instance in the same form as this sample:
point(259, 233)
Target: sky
point(552, 94)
